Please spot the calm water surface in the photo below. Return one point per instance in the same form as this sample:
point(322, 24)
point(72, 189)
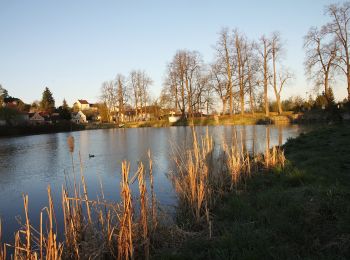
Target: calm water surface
point(29, 164)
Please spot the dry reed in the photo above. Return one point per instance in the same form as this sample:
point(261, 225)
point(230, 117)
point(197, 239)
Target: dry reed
point(125, 242)
point(199, 183)
point(191, 180)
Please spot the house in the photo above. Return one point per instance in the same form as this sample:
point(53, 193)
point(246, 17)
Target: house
point(81, 104)
point(79, 118)
point(93, 107)
point(36, 118)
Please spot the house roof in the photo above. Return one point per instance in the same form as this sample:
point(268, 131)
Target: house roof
point(76, 113)
point(83, 101)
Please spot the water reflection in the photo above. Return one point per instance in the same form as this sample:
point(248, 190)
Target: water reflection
point(29, 164)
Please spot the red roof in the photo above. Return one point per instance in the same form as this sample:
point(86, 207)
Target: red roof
point(83, 101)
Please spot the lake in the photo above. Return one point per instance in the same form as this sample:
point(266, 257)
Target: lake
point(29, 164)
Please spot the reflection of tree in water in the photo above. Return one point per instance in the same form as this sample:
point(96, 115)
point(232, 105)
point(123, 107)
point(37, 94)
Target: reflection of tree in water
point(280, 135)
point(253, 139)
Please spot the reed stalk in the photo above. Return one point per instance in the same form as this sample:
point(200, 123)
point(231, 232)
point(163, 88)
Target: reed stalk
point(143, 211)
point(2, 246)
point(125, 241)
point(153, 196)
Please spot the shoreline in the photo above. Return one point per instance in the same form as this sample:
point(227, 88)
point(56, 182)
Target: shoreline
point(287, 118)
point(248, 119)
point(28, 130)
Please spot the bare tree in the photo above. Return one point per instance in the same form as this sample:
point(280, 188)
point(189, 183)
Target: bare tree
point(122, 94)
point(266, 53)
point(284, 76)
point(321, 58)
point(145, 83)
point(241, 49)
point(202, 91)
point(176, 79)
point(114, 95)
point(109, 97)
point(339, 27)
point(253, 68)
point(253, 77)
point(224, 55)
point(170, 90)
point(184, 72)
point(219, 83)
point(134, 87)
point(139, 85)
point(166, 97)
point(276, 49)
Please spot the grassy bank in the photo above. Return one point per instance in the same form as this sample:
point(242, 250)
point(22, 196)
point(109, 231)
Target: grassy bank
point(247, 119)
point(299, 212)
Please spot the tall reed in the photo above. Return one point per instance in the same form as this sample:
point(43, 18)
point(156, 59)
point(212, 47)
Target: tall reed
point(125, 241)
point(93, 229)
point(191, 180)
point(2, 246)
point(202, 176)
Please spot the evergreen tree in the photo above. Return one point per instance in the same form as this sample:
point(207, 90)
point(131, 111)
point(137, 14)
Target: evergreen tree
point(65, 111)
point(3, 94)
point(64, 104)
point(330, 97)
point(47, 102)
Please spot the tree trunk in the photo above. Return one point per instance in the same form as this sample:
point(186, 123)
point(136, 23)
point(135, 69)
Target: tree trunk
point(176, 99)
point(223, 106)
point(348, 76)
point(280, 135)
point(242, 101)
point(275, 79)
point(278, 99)
point(183, 99)
point(265, 82)
point(228, 68)
point(251, 99)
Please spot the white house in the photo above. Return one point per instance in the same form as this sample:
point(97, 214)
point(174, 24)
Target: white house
point(82, 104)
point(79, 118)
point(36, 119)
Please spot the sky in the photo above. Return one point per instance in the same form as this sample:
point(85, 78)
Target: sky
point(73, 46)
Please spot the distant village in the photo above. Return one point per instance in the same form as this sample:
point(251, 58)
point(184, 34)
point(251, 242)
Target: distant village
point(14, 112)
point(82, 112)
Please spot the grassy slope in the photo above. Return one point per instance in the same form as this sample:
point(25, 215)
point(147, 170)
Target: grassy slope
point(300, 212)
point(247, 119)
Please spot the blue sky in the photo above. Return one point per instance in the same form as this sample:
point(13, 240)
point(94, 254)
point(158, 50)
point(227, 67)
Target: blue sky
point(73, 46)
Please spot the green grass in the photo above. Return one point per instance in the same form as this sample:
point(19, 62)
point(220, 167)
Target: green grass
point(299, 212)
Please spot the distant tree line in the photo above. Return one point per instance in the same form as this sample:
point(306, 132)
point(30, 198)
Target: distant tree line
point(239, 76)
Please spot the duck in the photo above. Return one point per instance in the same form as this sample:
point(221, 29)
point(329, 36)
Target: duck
point(91, 155)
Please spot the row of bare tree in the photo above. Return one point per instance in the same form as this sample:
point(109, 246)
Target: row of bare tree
point(241, 70)
point(117, 93)
point(242, 73)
